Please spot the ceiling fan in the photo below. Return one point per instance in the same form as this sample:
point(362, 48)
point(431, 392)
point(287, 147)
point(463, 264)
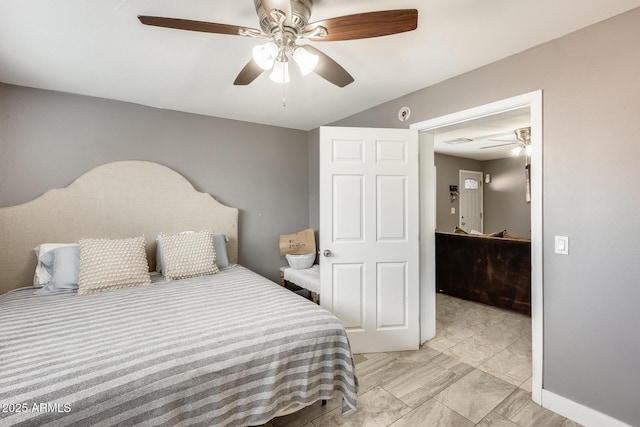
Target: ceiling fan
point(285, 23)
point(522, 142)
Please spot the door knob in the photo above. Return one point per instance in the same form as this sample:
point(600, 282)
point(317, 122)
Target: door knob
point(327, 253)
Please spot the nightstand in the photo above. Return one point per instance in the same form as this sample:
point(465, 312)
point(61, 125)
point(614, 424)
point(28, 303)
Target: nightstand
point(308, 278)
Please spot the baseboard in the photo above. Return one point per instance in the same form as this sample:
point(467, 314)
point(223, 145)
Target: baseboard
point(577, 412)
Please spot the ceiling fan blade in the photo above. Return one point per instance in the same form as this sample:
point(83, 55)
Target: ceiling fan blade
point(499, 145)
point(366, 25)
point(205, 27)
point(329, 69)
point(249, 73)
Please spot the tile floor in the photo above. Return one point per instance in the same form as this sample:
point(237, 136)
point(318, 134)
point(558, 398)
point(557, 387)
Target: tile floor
point(476, 372)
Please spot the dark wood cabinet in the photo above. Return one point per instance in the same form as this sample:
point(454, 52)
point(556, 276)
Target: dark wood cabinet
point(490, 270)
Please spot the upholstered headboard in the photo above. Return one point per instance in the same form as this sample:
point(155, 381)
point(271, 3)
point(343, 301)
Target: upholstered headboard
point(121, 199)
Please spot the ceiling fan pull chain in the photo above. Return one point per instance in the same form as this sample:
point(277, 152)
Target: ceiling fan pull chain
point(284, 99)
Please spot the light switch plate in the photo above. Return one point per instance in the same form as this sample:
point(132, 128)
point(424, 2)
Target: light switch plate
point(453, 211)
point(562, 245)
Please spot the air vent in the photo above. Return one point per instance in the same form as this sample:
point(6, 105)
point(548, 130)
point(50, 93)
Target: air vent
point(457, 141)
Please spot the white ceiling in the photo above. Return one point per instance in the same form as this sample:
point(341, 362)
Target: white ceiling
point(98, 48)
point(487, 138)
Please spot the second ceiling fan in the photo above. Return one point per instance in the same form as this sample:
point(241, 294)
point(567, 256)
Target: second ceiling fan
point(522, 142)
point(284, 23)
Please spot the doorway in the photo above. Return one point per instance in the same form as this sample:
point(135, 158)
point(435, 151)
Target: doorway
point(427, 129)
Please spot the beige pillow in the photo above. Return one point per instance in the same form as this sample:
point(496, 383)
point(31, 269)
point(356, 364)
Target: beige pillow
point(188, 255)
point(107, 264)
point(497, 234)
point(510, 236)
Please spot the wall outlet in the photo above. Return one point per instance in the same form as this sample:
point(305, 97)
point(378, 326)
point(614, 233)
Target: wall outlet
point(453, 211)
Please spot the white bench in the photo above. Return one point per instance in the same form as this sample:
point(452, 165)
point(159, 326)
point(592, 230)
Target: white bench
point(307, 278)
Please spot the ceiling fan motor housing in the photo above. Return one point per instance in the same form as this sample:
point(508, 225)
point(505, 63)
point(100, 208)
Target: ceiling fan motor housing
point(300, 15)
point(523, 134)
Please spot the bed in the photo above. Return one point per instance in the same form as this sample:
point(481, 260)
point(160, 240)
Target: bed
point(226, 349)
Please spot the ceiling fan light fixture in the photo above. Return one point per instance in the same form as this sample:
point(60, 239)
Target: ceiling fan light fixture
point(265, 55)
point(516, 150)
point(528, 150)
point(306, 60)
point(280, 72)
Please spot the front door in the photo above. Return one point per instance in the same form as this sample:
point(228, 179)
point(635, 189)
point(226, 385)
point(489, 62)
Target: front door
point(369, 261)
point(471, 203)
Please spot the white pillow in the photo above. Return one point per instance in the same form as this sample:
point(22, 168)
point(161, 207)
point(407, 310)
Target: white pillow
point(107, 264)
point(188, 255)
point(219, 243)
point(159, 253)
point(42, 275)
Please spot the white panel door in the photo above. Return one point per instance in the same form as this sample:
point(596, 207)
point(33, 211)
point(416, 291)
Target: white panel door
point(369, 263)
point(471, 201)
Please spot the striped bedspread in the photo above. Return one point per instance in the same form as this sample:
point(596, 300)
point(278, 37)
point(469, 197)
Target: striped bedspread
point(230, 349)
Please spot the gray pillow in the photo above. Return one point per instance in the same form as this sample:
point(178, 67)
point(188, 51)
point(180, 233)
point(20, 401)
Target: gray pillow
point(219, 242)
point(64, 265)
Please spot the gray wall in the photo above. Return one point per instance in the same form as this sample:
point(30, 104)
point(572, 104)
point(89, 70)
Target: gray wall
point(47, 139)
point(448, 173)
point(591, 151)
point(505, 206)
point(314, 179)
